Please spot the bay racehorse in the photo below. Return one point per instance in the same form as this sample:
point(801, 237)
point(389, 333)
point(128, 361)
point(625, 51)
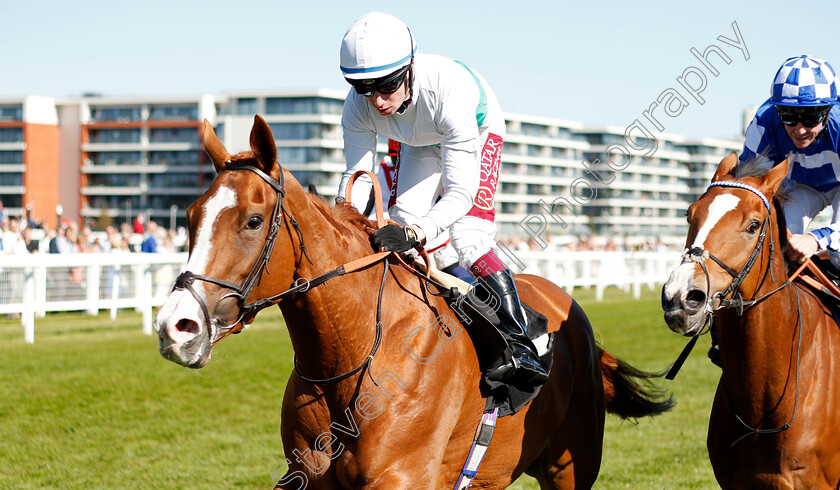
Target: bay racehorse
point(775, 420)
point(385, 392)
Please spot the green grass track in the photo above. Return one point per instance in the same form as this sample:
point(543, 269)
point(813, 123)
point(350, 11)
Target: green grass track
point(92, 405)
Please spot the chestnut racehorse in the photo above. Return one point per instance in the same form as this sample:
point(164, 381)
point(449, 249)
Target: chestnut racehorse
point(775, 421)
point(385, 392)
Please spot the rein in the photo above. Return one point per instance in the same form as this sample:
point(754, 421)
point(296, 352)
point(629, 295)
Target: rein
point(754, 431)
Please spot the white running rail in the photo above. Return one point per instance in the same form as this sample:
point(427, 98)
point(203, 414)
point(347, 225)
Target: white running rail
point(33, 285)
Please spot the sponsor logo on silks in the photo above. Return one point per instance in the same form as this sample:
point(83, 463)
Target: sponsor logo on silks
point(484, 198)
point(491, 159)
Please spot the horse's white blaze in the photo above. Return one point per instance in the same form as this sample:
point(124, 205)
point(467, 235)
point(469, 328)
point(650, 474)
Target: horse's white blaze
point(181, 305)
point(224, 198)
point(682, 278)
point(680, 281)
point(719, 207)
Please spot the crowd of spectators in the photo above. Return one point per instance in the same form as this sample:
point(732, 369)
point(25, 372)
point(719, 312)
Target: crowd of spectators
point(24, 236)
point(587, 243)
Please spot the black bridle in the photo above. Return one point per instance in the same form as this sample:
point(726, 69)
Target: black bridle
point(699, 255)
point(241, 291)
point(186, 279)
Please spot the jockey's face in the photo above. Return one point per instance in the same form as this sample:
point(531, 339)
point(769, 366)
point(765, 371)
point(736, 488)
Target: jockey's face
point(387, 104)
point(802, 136)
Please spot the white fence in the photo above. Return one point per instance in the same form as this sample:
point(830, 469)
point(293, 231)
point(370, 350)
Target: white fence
point(32, 285)
point(569, 270)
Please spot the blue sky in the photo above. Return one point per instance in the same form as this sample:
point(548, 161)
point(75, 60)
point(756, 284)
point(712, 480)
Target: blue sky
point(600, 63)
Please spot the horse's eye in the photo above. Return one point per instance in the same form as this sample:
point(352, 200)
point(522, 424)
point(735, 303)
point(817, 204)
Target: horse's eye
point(753, 227)
point(254, 223)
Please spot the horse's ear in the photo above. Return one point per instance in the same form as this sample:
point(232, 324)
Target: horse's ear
point(774, 177)
point(263, 146)
point(726, 166)
point(214, 147)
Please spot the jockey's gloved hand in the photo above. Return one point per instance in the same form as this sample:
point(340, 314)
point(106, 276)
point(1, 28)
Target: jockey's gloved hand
point(397, 238)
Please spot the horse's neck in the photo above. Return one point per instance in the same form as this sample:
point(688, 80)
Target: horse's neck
point(332, 325)
point(759, 347)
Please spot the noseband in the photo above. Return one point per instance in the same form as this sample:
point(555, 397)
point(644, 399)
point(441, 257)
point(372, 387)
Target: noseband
point(186, 279)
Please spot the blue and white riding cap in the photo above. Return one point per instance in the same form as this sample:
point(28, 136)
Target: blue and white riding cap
point(804, 81)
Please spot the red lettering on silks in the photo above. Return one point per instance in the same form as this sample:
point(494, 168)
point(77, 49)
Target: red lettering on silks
point(491, 160)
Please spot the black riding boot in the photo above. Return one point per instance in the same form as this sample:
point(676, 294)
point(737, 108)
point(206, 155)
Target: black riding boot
point(524, 365)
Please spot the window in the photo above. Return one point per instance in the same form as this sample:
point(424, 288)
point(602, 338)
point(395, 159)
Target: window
point(173, 113)
point(295, 131)
point(11, 157)
point(166, 202)
point(535, 189)
point(534, 169)
point(508, 207)
point(303, 105)
point(560, 152)
point(533, 129)
point(115, 135)
point(12, 200)
point(113, 202)
point(534, 150)
point(174, 135)
point(11, 135)
point(116, 158)
point(246, 106)
point(173, 158)
point(172, 180)
point(11, 113)
point(509, 188)
point(121, 114)
point(12, 180)
point(286, 155)
point(113, 180)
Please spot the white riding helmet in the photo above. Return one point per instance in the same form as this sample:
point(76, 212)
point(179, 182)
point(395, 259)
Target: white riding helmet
point(376, 45)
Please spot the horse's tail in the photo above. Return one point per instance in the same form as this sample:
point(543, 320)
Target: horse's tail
point(629, 392)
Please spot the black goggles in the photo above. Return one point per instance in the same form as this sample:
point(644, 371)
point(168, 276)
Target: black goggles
point(385, 85)
point(807, 116)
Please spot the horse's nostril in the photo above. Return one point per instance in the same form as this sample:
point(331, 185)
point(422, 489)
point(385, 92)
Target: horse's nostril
point(187, 326)
point(694, 300)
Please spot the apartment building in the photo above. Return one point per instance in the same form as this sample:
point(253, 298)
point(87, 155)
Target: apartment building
point(137, 155)
point(29, 157)
point(306, 126)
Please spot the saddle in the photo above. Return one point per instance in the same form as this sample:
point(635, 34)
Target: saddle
point(490, 344)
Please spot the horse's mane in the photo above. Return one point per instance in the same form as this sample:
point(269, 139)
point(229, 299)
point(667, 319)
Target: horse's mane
point(758, 166)
point(344, 218)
